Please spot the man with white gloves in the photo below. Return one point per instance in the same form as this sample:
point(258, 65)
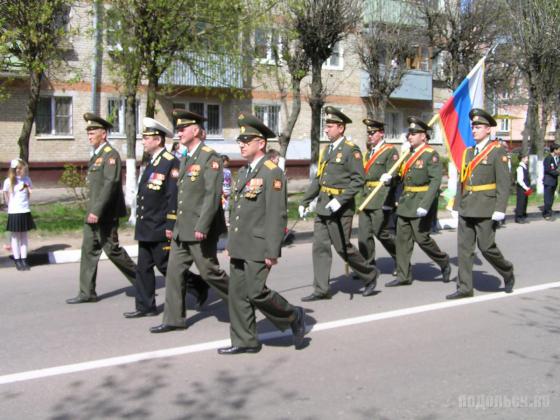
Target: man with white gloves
point(481, 200)
point(340, 177)
point(421, 175)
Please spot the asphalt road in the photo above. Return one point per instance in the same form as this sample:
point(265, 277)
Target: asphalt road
point(405, 353)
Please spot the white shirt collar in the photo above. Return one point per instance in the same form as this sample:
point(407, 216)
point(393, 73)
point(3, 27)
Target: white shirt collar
point(191, 152)
point(379, 145)
point(255, 162)
point(96, 151)
point(156, 154)
point(480, 146)
point(336, 143)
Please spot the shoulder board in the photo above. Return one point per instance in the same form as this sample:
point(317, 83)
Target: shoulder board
point(349, 143)
point(107, 149)
point(207, 149)
point(270, 164)
point(428, 149)
point(168, 156)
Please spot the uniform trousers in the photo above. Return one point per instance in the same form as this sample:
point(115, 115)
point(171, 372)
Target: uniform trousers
point(521, 204)
point(480, 231)
point(181, 257)
point(549, 191)
point(150, 255)
point(247, 292)
point(336, 230)
point(416, 229)
point(102, 237)
point(373, 223)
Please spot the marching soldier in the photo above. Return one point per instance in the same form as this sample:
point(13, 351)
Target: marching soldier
point(104, 207)
point(481, 200)
point(340, 177)
point(200, 222)
point(258, 220)
point(421, 175)
point(375, 216)
point(156, 214)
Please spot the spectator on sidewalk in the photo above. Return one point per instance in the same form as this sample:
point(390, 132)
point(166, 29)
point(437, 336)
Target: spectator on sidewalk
point(550, 179)
point(17, 190)
point(523, 188)
point(226, 188)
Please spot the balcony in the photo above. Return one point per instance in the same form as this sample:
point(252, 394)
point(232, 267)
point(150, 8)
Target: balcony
point(212, 71)
point(415, 85)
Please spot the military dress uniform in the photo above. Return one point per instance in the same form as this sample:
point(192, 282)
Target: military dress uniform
point(483, 190)
point(421, 174)
point(373, 220)
point(257, 224)
point(156, 214)
point(106, 201)
point(198, 210)
point(340, 176)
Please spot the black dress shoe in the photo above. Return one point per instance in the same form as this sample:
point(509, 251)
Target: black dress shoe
point(298, 327)
point(82, 299)
point(163, 328)
point(140, 314)
point(19, 267)
point(397, 282)
point(315, 296)
point(509, 283)
point(459, 295)
point(446, 273)
point(370, 288)
point(24, 265)
point(239, 350)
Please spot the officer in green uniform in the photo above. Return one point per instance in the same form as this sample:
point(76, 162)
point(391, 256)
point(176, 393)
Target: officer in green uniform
point(257, 223)
point(104, 207)
point(340, 177)
point(481, 200)
point(375, 216)
point(200, 222)
point(421, 174)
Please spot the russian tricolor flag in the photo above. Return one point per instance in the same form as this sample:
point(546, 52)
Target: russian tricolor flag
point(454, 115)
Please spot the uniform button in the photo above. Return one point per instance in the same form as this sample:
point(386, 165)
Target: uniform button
point(235, 229)
point(180, 202)
point(141, 217)
point(141, 198)
point(142, 207)
point(237, 218)
point(239, 206)
point(181, 212)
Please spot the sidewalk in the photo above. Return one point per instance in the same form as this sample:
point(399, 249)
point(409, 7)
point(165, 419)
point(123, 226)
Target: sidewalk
point(65, 248)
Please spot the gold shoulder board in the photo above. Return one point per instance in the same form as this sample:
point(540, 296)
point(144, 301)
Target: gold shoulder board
point(168, 156)
point(270, 164)
point(207, 149)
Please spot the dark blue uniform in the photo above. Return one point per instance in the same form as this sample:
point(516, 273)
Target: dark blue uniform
point(550, 181)
point(156, 213)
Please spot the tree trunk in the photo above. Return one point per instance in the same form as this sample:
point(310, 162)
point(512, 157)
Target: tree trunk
point(130, 129)
point(153, 83)
point(536, 143)
point(316, 103)
point(286, 134)
point(35, 78)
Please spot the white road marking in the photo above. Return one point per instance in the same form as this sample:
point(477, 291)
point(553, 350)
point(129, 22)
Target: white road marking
point(194, 348)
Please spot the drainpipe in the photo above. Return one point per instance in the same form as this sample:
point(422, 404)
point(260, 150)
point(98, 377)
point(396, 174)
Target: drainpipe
point(96, 56)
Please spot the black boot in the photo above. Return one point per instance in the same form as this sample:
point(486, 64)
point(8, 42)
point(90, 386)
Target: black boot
point(24, 265)
point(18, 264)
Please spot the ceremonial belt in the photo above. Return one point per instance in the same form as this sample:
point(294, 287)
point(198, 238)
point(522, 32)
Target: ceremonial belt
point(467, 169)
point(332, 191)
point(374, 157)
point(481, 187)
point(421, 188)
point(372, 184)
point(413, 158)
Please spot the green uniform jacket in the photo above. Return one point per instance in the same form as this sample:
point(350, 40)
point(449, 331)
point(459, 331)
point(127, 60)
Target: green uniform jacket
point(106, 198)
point(426, 171)
point(493, 169)
point(199, 198)
point(382, 164)
point(259, 213)
point(343, 170)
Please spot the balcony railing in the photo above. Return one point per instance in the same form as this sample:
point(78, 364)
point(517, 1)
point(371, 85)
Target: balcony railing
point(415, 85)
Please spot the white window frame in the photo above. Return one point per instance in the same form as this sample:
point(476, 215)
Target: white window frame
point(121, 133)
point(266, 119)
point(220, 135)
point(53, 132)
point(504, 125)
point(398, 129)
point(269, 59)
point(327, 65)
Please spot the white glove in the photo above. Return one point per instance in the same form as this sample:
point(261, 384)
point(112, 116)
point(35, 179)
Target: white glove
point(312, 206)
point(385, 178)
point(454, 214)
point(420, 212)
point(498, 216)
point(302, 211)
point(333, 205)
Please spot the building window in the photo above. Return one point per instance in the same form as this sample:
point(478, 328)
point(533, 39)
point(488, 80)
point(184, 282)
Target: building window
point(393, 124)
point(54, 116)
point(116, 116)
point(422, 60)
point(269, 115)
point(212, 112)
point(335, 61)
point(267, 46)
point(503, 124)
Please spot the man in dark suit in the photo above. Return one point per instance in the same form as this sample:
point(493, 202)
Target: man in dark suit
point(104, 207)
point(200, 222)
point(550, 179)
point(156, 214)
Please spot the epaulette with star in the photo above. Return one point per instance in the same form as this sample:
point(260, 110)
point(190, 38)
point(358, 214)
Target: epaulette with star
point(270, 165)
point(207, 149)
point(168, 156)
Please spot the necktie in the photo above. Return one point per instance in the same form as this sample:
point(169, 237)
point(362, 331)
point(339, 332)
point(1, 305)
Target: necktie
point(476, 150)
point(248, 171)
point(330, 149)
